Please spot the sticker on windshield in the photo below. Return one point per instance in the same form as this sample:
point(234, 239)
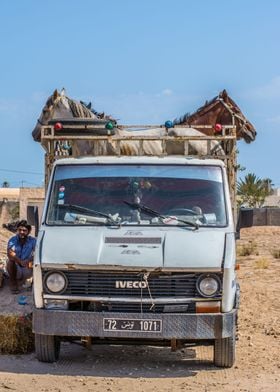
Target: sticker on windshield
point(61, 195)
point(170, 220)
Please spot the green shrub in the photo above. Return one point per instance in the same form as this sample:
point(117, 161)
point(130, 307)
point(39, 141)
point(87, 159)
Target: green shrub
point(276, 253)
point(248, 249)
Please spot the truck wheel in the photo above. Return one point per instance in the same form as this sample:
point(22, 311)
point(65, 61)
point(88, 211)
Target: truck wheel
point(224, 352)
point(47, 348)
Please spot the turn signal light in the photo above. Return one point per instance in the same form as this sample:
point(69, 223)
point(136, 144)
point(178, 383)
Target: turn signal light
point(208, 307)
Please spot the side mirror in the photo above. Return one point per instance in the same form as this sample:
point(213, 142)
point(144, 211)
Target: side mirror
point(33, 217)
point(245, 219)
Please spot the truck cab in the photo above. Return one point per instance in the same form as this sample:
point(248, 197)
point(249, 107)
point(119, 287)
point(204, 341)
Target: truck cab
point(138, 249)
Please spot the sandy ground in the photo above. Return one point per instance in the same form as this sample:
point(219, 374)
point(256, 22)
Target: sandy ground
point(128, 368)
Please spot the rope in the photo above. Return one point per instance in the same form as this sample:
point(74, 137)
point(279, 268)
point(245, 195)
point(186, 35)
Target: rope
point(145, 277)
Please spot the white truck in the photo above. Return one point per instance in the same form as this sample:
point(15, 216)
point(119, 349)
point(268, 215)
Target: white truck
point(137, 249)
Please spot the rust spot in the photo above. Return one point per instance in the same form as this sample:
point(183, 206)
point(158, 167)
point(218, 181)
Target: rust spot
point(71, 266)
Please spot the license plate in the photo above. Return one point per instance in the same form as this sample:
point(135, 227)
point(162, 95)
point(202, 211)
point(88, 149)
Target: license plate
point(132, 325)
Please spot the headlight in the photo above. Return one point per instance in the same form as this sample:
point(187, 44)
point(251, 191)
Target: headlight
point(208, 285)
point(55, 282)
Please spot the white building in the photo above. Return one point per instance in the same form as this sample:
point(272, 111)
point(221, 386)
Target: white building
point(273, 200)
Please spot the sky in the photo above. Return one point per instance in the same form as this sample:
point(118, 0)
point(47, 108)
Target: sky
point(143, 62)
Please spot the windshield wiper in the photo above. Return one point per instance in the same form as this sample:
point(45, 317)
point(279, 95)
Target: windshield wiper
point(150, 211)
point(90, 211)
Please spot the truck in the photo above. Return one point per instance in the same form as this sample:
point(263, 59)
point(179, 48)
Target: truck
point(136, 249)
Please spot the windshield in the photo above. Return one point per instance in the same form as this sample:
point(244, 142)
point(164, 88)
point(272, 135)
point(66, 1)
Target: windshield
point(126, 195)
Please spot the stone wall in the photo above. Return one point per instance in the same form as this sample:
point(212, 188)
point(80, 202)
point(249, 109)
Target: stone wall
point(8, 211)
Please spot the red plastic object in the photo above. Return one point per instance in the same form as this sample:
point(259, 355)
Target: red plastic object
point(58, 126)
point(218, 128)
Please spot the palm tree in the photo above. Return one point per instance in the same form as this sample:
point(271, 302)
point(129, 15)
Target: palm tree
point(267, 183)
point(253, 190)
point(5, 184)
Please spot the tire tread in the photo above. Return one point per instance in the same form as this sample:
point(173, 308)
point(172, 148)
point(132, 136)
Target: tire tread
point(224, 352)
point(47, 348)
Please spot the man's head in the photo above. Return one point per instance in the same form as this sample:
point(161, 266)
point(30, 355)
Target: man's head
point(23, 229)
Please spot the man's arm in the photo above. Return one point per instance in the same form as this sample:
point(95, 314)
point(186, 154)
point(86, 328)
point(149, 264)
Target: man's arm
point(13, 257)
point(29, 263)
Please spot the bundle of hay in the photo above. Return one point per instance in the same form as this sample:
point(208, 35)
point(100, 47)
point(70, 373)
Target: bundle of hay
point(16, 335)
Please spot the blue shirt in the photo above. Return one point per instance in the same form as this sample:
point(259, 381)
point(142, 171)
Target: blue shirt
point(23, 251)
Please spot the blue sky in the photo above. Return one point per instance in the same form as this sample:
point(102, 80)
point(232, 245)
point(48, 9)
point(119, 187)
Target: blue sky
point(141, 61)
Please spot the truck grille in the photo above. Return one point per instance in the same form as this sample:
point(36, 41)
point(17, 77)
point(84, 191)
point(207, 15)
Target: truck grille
point(129, 284)
point(107, 286)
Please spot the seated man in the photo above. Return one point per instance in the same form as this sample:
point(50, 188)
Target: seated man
point(20, 251)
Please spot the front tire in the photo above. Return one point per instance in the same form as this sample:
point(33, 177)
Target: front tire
point(224, 352)
point(47, 348)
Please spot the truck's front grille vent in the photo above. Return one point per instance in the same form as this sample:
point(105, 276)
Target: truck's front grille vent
point(133, 240)
point(113, 291)
point(129, 284)
point(147, 308)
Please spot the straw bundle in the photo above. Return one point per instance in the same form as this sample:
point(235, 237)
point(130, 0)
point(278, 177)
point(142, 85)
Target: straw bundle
point(16, 335)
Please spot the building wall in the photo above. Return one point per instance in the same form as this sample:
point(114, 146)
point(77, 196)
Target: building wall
point(276, 192)
point(13, 200)
point(273, 200)
point(9, 194)
point(31, 197)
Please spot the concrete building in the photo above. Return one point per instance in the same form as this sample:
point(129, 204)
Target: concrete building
point(273, 200)
point(24, 197)
point(9, 194)
point(31, 197)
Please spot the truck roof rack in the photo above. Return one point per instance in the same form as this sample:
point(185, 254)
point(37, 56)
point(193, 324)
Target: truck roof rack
point(61, 141)
point(71, 130)
point(60, 137)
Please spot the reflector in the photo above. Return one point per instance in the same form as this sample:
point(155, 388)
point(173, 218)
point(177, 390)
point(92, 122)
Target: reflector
point(168, 124)
point(58, 126)
point(218, 128)
point(109, 125)
point(208, 307)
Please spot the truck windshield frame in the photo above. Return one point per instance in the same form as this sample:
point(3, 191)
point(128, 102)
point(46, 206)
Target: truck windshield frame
point(194, 193)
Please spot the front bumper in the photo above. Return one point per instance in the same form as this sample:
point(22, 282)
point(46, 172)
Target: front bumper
point(174, 326)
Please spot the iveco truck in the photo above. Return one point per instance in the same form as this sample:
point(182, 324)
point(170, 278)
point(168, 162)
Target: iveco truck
point(137, 249)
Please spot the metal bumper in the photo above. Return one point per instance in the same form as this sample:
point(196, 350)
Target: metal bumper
point(178, 326)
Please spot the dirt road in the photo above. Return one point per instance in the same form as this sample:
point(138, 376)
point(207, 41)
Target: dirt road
point(128, 369)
